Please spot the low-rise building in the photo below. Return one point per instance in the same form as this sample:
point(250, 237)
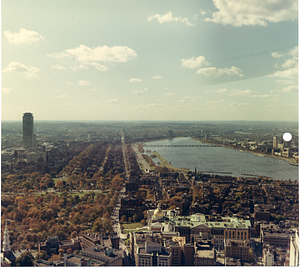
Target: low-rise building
point(236, 248)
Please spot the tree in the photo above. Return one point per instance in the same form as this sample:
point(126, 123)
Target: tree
point(26, 259)
point(61, 252)
point(97, 226)
point(124, 218)
point(135, 217)
point(42, 255)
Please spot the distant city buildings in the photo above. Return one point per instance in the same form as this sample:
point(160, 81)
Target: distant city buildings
point(28, 130)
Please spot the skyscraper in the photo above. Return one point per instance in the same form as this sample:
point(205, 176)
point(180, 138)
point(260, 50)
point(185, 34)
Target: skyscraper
point(275, 142)
point(28, 136)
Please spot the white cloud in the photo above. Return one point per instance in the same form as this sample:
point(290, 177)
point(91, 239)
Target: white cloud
point(276, 55)
point(289, 67)
point(169, 94)
point(289, 63)
point(59, 55)
point(23, 37)
point(288, 73)
point(202, 12)
point(141, 91)
point(132, 80)
point(112, 101)
point(187, 96)
point(83, 83)
point(62, 96)
point(284, 81)
point(212, 71)
point(241, 92)
point(6, 90)
point(182, 101)
point(291, 88)
point(157, 77)
point(253, 12)
point(28, 72)
point(220, 91)
point(168, 17)
point(195, 62)
point(59, 67)
point(102, 53)
point(69, 83)
point(79, 67)
point(294, 52)
point(98, 66)
point(216, 101)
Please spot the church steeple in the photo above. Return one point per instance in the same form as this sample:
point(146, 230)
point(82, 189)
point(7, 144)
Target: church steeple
point(6, 242)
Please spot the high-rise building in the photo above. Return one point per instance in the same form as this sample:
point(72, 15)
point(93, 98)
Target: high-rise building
point(275, 142)
point(28, 130)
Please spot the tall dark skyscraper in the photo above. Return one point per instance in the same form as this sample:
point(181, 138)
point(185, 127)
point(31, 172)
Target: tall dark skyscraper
point(28, 130)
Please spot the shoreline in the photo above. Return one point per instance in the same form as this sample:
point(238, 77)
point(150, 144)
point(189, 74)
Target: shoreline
point(291, 161)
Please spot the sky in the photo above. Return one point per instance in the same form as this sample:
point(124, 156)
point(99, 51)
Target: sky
point(156, 60)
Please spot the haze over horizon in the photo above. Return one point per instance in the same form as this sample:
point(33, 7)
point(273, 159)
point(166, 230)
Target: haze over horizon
point(207, 60)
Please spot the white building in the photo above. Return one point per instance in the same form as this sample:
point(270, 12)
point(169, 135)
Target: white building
point(268, 257)
point(294, 249)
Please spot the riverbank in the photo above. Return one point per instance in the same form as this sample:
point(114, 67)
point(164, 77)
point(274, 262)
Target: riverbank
point(291, 161)
point(164, 163)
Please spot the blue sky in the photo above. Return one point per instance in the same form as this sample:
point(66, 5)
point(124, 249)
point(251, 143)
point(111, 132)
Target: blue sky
point(150, 60)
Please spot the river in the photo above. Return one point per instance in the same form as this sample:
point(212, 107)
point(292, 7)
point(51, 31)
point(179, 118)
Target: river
point(221, 159)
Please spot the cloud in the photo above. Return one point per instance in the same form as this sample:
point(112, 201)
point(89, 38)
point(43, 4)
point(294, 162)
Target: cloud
point(79, 67)
point(284, 81)
point(102, 53)
point(169, 94)
point(132, 80)
point(215, 72)
point(289, 63)
point(157, 77)
point(292, 88)
point(148, 106)
point(276, 55)
point(6, 90)
point(83, 83)
point(202, 12)
point(98, 66)
point(69, 83)
point(253, 12)
point(168, 17)
point(216, 101)
point(246, 92)
point(62, 96)
point(112, 101)
point(59, 55)
point(289, 67)
point(141, 91)
point(23, 37)
point(182, 101)
point(59, 67)
point(195, 62)
point(28, 72)
point(219, 91)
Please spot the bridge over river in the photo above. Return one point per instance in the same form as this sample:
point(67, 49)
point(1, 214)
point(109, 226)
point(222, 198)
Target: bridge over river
point(182, 146)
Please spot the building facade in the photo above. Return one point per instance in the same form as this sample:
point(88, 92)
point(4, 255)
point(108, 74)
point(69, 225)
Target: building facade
point(28, 130)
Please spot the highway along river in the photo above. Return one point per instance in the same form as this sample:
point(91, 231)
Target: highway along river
point(221, 160)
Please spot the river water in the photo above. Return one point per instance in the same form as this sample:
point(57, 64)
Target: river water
point(221, 159)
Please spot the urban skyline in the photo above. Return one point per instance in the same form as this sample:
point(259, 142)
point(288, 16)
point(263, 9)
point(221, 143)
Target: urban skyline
point(112, 60)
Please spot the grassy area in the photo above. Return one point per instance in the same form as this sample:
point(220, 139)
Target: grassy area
point(165, 163)
point(74, 193)
point(131, 225)
point(129, 231)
